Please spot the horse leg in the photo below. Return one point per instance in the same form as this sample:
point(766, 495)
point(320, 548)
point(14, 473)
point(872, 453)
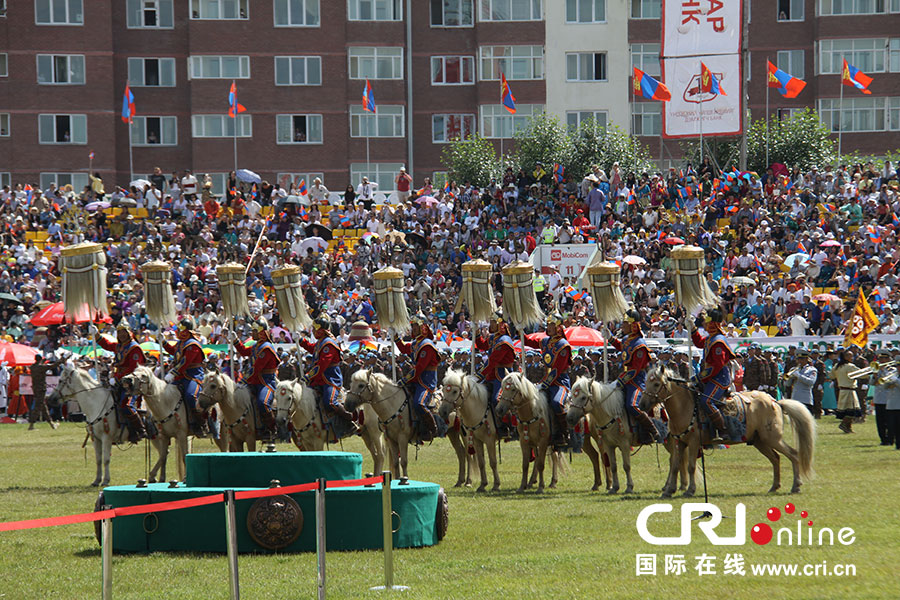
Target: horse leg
point(794, 456)
point(458, 447)
point(98, 458)
point(626, 464)
point(375, 449)
point(181, 456)
point(479, 457)
point(683, 472)
point(676, 450)
point(773, 457)
point(404, 458)
point(588, 448)
point(162, 448)
point(395, 458)
point(539, 465)
point(107, 451)
point(526, 459)
point(692, 449)
point(492, 457)
point(613, 467)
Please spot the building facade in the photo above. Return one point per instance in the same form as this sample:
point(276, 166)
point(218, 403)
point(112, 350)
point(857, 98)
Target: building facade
point(434, 66)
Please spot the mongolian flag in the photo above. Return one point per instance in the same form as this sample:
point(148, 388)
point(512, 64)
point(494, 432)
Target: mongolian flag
point(128, 110)
point(850, 75)
point(708, 82)
point(877, 300)
point(894, 220)
point(29, 192)
point(787, 85)
point(234, 107)
point(558, 172)
point(506, 98)
point(650, 88)
point(446, 189)
point(802, 248)
point(368, 98)
point(630, 199)
point(874, 236)
point(91, 155)
point(302, 189)
point(861, 324)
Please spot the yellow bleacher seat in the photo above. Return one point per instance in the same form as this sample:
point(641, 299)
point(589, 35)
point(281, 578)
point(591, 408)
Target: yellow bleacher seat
point(723, 222)
point(360, 232)
point(337, 233)
point(325, 209)
point(772, 330)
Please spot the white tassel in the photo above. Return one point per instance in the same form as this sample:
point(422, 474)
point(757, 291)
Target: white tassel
point(390, 303)
point(477, 293)
point(691, 290)
point(609, 302)
point(83, 269)
point(289, 299)
point(233, 289)
point(158, 296)
point(520, 304)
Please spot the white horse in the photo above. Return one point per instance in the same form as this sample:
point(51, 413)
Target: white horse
point(296, 404)
point(469, 399)
point(239, 419)
point(169, 415)
point(531, 408)
point(99, 408)
point(605, 403)
point(393, 408)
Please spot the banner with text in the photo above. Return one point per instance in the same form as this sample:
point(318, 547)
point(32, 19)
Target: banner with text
point(695, 27)
point(721, 113)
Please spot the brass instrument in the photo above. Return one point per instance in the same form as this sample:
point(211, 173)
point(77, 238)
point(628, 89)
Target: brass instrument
point(891, 372)
point(873, 368)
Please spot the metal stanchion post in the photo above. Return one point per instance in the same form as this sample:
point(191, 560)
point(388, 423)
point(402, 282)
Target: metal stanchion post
point(231, 543)
point(387, 525)
point(320, 535)
point(106, 546)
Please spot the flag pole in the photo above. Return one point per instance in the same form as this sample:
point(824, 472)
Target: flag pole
point(235, 141)
point(841, 117)
point(700, 94)
point(130, 154)
point(768, 120)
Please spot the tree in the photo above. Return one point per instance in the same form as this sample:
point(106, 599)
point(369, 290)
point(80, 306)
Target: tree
point(473, 160)
point(803, 141)
point(595, 145)
point(545, 140)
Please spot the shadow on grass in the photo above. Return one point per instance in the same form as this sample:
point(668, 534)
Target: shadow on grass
point(49, 490)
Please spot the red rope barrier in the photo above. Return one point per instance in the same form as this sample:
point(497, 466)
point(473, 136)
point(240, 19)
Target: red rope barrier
point(141, 509)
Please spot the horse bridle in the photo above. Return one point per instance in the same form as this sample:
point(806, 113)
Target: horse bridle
point(669, 396)
point(67, 380)
point(588, 402)
point(514, 408)
point(292, 411)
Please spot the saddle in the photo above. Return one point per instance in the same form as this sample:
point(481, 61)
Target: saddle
point(734, 411)
point(641, 436)
point(419, 425)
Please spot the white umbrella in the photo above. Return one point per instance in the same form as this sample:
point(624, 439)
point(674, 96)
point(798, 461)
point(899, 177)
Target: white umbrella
point(140, 183)
point(634, 260)
point(248, 176)
point(800, 257)
point(315, 242)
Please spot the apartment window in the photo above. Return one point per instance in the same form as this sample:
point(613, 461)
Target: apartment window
point(574, 119)
point(154, 131)
point(4, 124)
point(374, 10)
point(151, 72)
point(791, 61)
point(452, 70)
point(5, 177)
point(219, 9)
point(452, 13)
point(216, 126)
point(60, 69)
point(496, 122)
point(62, 129)
point(78, 181)
point(786, 114)
point(382, 174)
point(646, 118)
point(376, 62)
point(298, 129)
point(4, 65)
point(298, 70)
point(220, 67)
point(646, 58)
point(58, 12)
point(861, 114)
point(296, 13)
point(286, 180)
point(218, 181)
point(446, 128)
point(516, 62)
point(867, 54)
point(387, 122)
point(586, 66)
point(510, 10)
point(646, 9)
point(894, 52)
point(858, 7)
point(150, 14)
point(790, 10)
point(585, 11)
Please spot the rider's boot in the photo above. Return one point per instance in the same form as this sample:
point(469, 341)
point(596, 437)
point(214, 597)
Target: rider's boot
point(647, 423)
point(561, 432)
point(136, 430)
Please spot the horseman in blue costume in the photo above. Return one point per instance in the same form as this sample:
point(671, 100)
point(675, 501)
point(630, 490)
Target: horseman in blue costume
point(501, 361)
point(715, 375)
point(556, 356)
point(263, 378)
point(423, 380)
point(635, 359)
point(129, 356)
point(186, 372)
point(325, 377)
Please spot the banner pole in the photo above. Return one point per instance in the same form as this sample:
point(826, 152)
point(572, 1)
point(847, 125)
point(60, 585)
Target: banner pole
point(320, 536)
point(700, 94)
point(231, 546)
point(106, 545)
point(840, 121)
point(768, 120)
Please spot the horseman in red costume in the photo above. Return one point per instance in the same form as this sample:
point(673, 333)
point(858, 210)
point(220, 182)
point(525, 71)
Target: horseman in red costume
point(556, 356)
point(187, 372)
point(326, 378)
point(264, 364)
point(635, 359)
point(423, 380)
point(715, 376)
point(501, 360)
point(128, 356)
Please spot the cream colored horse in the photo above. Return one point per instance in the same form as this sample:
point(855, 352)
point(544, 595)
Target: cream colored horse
point(531, 408)
point(239, 419)
point(169, 415)
point(468, 398)
point(605, 403)
point(297, 405)
point(765, 428)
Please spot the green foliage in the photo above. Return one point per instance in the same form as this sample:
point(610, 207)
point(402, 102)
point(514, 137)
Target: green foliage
point(723, 151)
point(473, 160)
point(545, 140)
point(803, 141)
point(595, 145)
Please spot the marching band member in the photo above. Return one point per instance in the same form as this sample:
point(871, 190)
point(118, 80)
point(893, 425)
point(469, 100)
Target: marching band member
point(187, 372)
point(128, 356)
point(264, 364)
point(804, 377)
point(635, 359)
point(325, 376)
point(501, 360)
point(714, 374)
point(423, 379)
point(556, 356)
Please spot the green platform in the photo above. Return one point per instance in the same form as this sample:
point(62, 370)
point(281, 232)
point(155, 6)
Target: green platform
point(353, 514)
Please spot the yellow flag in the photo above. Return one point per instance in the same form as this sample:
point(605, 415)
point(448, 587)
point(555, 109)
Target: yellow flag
point(862, 323)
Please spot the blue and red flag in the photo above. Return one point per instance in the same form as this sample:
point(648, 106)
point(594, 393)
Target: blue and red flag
point(91, 155)
point(850, 75)
point(128, 110)
point(302, 188)
point(708, 82)
point(787, 85)
point(446, 189)
point(802, 248)
point(650, 88)
point(630, 199)
point(759, 265)
point(877, 300)
point(874, 236)
point(29, 192)
point(894, 220)
point(558, 172)
point(506, 98)
point(234, 107)
point(368, 98)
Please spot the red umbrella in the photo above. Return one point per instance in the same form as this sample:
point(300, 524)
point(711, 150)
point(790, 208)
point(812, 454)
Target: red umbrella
point(584, 336)
point(16, 355)
point(673, 241)
point(830, 244)
point(536, 337)
point(55, 315)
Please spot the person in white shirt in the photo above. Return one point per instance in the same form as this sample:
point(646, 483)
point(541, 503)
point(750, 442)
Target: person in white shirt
point(366, 190)
point(318, 192)
point(799, 325)
point(189, 184)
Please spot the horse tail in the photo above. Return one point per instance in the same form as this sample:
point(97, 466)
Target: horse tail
point(805, 430)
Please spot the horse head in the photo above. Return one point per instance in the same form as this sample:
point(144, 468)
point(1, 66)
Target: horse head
point(655, 387)
point(288, 394)
point(511, 393)
point(213, 390)
point(138, 382)
point(453, 387)
point(361, 390)
point(581, 396)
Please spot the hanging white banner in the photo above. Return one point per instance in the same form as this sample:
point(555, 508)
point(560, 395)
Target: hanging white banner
point(721, 113)
point(692, 27)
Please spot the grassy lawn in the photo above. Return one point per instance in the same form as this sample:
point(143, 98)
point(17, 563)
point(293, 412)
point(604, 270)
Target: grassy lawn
point(568, 543)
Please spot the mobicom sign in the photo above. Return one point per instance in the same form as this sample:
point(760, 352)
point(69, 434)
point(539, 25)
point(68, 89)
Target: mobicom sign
point(570, 259)
point(803, 534)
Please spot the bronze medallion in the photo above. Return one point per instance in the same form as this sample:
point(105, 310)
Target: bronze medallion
point(442, 516)
point(275, 523)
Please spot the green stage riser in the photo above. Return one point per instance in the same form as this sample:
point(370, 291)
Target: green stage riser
point(257, 469)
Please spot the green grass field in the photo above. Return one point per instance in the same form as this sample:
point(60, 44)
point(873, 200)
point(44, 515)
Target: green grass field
point(567, 543)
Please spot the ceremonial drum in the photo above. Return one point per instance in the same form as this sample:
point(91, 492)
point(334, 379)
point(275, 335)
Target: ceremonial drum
point(83, 268)
point(289, 298)
point(604, 282)
point(233, 289)
point(158, 296)
point(390, 305)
